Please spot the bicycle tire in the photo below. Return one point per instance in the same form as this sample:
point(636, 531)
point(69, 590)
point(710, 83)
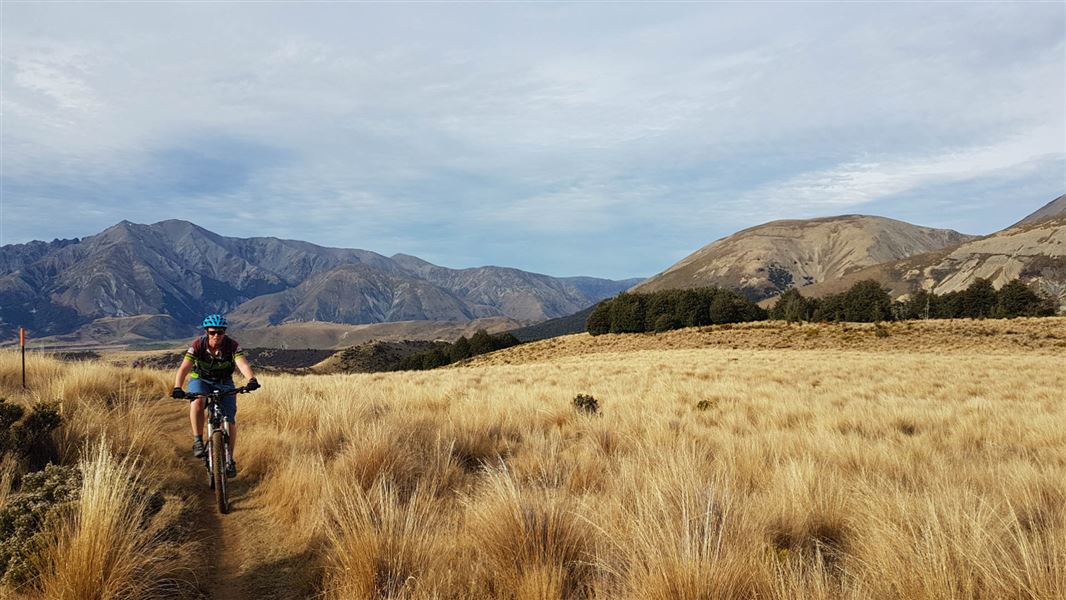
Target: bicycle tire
point(218, 471)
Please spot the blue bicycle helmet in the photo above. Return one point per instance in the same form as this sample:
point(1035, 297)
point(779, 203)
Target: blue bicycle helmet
point(215, 320)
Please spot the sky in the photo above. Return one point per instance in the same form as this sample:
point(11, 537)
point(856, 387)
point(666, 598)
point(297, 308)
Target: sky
point(602, 139)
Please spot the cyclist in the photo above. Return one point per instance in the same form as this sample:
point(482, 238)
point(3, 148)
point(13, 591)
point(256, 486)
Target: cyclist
point(211, 359)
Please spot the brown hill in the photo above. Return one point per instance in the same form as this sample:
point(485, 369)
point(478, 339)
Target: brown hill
point(1055, 208)
point(334, 335)
point(765, 260)
point(373, 356)
point(1034, 253)
point(1045, 336)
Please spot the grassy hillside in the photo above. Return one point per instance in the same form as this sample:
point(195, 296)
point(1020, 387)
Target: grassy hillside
point(756, 461)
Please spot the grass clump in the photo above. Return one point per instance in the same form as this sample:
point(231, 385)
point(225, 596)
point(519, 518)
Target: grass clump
point(107, 550)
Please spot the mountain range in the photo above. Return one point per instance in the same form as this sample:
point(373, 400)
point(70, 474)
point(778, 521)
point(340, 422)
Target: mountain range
point(175, 272)
point(134, 282)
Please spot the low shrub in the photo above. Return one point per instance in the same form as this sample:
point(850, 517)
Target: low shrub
point(25, 519)
point(586, 404)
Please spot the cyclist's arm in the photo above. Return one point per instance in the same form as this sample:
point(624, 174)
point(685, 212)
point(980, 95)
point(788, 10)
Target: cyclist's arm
point(183, 372)
point(245, 367)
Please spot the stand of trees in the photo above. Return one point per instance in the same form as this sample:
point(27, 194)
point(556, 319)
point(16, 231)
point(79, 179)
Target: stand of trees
point(479, 343)
point(868, 302)
point(671, 309)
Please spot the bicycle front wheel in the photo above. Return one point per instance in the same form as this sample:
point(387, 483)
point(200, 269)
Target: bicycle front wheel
point(218, 471)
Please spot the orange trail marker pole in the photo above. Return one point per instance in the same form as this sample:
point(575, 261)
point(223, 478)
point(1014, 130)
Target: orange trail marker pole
point(22, 344)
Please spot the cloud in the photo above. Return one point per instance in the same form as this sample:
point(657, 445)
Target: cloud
point(851, 185)
point(460, 128)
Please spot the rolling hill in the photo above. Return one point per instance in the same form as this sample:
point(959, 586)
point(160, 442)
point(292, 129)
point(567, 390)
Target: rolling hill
point(765, 260)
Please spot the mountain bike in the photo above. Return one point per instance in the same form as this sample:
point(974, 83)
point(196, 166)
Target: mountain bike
point(216, 446)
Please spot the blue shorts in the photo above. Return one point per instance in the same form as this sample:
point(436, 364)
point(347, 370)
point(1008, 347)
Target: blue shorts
point(229, 401)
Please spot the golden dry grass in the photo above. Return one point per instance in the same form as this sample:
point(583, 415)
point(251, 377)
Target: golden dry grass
point(809, 474)
point(106, 546)
point(105, 550)
point(1024, 335)
point(927, 464)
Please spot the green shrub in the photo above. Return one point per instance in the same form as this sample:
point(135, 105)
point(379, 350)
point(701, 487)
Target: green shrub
point(41, 499)
point(29, 437)
point(586, 404)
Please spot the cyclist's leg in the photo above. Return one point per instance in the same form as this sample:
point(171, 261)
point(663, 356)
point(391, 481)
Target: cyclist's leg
point(196, 407)
point(229, 410)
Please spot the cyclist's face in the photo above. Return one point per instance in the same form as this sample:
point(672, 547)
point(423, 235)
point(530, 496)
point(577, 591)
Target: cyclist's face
point(214, 336)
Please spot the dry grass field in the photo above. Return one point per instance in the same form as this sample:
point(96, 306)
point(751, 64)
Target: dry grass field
point(925, 461)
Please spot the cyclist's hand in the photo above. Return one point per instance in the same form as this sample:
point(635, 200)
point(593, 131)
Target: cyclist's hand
point(177, 394)
point(253, 384)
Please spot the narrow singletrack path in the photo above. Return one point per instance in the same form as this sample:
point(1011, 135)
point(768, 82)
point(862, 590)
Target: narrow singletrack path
point(245, 556)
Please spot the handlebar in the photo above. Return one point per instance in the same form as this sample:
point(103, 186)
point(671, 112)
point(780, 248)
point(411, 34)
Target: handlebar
point(215, 393)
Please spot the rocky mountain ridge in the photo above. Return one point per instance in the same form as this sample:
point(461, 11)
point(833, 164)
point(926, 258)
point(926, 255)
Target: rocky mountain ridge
point(180, 270)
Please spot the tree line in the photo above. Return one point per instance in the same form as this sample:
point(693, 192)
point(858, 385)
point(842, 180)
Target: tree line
point(868, 302)
point(864, 302)
point(671, 309)
point(479, 343)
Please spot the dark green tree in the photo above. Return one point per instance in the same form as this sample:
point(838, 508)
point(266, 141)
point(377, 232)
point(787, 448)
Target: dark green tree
point(694, 307)
point(627, 313)
point(659, 305)
point(481, 342)
point(1015, 299)
point(792, 307)
point(459, 349)
point(979, 300)
point(730, 307)
point(830, 308)
point(918, 306)
point(867, 302)
point(599, 322)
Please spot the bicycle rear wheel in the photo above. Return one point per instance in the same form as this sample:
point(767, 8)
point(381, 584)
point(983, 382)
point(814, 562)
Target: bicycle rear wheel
point(218, 470)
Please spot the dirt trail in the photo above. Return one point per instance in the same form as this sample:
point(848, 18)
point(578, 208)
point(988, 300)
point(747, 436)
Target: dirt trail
point(245, 557)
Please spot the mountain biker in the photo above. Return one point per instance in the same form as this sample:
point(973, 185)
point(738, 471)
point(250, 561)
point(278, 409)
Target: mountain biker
point(211, 359)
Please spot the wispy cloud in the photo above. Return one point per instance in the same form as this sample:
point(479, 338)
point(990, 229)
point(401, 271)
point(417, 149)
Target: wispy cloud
point(854, 184)
point(620, 134)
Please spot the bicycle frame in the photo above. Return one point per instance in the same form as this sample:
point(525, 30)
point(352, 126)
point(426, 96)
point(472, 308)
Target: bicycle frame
point(216, 459)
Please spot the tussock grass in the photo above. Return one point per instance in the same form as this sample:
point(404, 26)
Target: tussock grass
point(120, 538)
point(805, 474)
point(105, 551)
point(381, 546)
point(829, 464)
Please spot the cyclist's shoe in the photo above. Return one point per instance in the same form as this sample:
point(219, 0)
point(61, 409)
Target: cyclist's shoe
point(231, 469)
point(198, 448)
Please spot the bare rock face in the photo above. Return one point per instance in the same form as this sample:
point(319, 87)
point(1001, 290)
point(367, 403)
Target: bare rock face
point(1034, 252)
point(177, 269)
point(768, 259)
